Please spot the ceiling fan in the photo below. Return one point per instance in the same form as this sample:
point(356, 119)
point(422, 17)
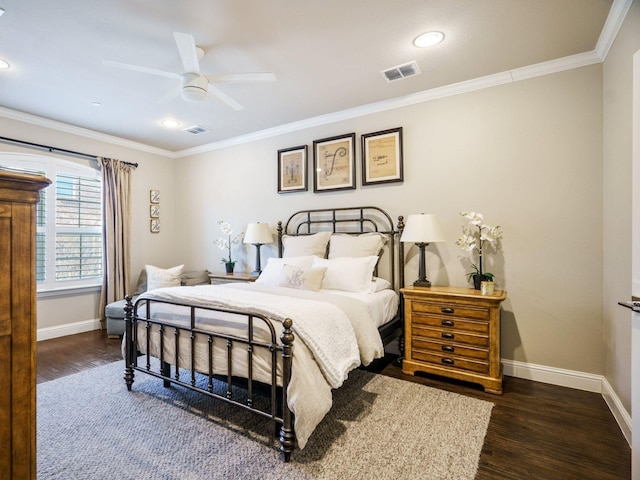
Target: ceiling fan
point(195, 86)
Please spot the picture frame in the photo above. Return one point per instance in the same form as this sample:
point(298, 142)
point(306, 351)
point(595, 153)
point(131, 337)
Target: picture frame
point(292, 169)
point(382, 160)
point(154, 196)
point(154, 225)
point(334, 163)
point(154, 210)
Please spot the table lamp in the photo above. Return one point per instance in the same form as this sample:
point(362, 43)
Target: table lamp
point(422, 229)
point(258, 234)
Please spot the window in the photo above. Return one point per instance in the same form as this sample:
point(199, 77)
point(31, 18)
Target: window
point(68, 222)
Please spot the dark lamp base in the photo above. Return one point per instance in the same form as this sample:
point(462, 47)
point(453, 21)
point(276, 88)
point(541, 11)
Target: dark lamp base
point(422, 283)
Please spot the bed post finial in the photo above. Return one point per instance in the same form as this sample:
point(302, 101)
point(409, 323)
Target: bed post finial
point(279, 230)
point(287, 436)
point(129, 349)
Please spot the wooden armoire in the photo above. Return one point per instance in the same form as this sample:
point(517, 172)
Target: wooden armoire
point(19, 194)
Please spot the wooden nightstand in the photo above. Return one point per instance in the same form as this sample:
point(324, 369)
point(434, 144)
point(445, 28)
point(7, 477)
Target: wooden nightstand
point(454, 332)
point(220, 278)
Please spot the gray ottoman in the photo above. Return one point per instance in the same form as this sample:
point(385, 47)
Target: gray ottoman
point(115, 318)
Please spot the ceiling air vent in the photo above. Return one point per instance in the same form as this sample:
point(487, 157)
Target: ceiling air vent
point(401, 71)
point(196, 130)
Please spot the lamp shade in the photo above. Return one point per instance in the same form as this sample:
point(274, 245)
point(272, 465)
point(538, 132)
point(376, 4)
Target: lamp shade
point(422, 228)
point(258, 233)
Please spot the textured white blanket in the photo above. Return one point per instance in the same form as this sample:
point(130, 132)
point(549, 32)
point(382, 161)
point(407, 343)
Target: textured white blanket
point(337, 341)
point(325, 328)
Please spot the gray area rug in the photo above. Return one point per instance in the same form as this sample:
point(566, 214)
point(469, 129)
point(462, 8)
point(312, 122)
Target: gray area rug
point(91, 427)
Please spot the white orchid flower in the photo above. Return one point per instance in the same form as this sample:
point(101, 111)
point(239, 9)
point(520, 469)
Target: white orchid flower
point(466, 242)
point(225, 227)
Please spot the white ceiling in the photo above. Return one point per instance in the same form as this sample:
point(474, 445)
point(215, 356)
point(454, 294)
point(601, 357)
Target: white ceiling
point(326, 54)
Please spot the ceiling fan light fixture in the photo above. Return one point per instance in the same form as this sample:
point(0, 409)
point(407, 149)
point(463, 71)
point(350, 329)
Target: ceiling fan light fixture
point(428, 39)
point(194, 87)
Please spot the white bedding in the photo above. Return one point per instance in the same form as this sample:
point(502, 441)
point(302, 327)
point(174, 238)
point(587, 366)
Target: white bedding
point(335, 332)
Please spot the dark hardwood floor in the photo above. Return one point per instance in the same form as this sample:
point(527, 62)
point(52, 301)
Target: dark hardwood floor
point(537, 431)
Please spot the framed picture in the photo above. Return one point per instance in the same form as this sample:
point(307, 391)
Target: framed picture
point(154, 211)
point(154, 196)
point(334, 163)
point(382, 157)
point(292, 169)
point(155, 225)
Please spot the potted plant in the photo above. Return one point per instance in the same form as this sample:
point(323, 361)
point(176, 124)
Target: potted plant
point(225, 244)
point(474, 235)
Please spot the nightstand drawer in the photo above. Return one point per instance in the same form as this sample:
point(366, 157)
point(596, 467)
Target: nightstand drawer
point(453, 336)
point(418, 320)
point(460, 311)
point(451, 361)
point(448, 348)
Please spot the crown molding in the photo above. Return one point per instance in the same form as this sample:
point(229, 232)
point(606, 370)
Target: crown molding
point(481, 83)
point(617, 14)
point(82, 132)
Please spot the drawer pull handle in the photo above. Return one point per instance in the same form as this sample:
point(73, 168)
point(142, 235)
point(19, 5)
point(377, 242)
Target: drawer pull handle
point(448, 323)
point(448, 348)
point(446, 310)
point(449, 336)
point(448, 361)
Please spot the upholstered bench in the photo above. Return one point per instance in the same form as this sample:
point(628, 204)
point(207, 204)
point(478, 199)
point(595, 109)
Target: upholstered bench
point(114, 312)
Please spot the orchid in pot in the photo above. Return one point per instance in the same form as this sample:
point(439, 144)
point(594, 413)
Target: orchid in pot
point(474, 237)
point(226, 242)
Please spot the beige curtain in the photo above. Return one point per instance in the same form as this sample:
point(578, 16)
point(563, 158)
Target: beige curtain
point(116, 213)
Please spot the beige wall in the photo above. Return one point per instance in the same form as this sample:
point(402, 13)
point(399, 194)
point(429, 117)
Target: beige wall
point(617, 202)
point(528, 155)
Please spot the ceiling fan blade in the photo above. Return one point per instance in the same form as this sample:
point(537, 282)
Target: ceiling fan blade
point(140, 68)
point(172, 93)
point(224, 98)
point(242, 77)
point(188, 53)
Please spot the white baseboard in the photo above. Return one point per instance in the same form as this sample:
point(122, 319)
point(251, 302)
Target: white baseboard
point(573, 379)
point(48, 333)
point(617, 409)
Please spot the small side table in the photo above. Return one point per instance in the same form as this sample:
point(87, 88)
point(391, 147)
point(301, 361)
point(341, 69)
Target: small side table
point(236, 277)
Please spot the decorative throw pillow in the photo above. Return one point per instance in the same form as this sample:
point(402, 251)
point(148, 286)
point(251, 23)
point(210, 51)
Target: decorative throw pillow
point(302, 278)
point(378, 284)
point(273, 270)
point(163, 277)
point(303, 245)
point(351, 274)
point(364, 245)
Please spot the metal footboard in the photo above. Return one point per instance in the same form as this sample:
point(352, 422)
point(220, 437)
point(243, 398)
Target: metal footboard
point(202, 379)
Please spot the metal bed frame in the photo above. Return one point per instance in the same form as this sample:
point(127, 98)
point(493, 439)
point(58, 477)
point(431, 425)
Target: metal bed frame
point(339, 220)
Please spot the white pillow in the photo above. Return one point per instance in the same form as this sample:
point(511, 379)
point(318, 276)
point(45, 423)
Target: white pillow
point(302, 278)
point(364, 245)
point(303, 245)
point(351, 274)
point(273, 270)
point(378, 284)
point(163, 277)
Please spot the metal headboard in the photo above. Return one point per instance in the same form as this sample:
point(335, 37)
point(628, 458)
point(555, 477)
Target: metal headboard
point(353, 221)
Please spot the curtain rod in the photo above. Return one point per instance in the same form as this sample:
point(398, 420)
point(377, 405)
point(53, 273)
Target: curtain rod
point(58, 150)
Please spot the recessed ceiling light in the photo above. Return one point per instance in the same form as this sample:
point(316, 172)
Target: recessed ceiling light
point(428, 39)
point(4, 65)
point(170, 123)
point(96, 104)
point(1, 11)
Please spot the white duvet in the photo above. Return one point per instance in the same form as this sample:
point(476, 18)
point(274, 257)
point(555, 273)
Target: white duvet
point(334, 334)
